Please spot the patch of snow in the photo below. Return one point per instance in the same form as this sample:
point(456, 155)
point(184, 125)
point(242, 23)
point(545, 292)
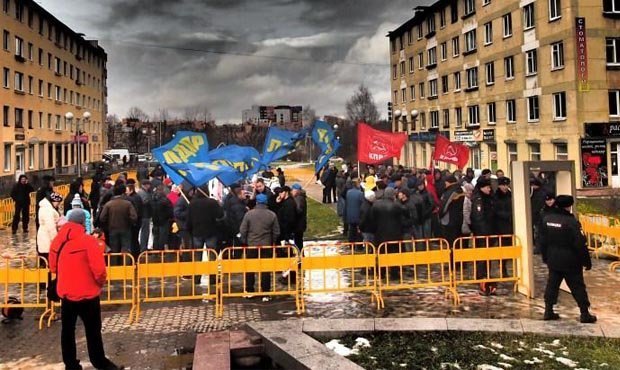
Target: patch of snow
point(522, 344)
point(555, 343)
point(361, 343)
point(533, 361)
point(565, 353)
point(450, 365)
point(434, 349)
point(604, 364)
point(545, 351)
point(480, 346)
point(403, 365)
point(506, 357)
point(566, 361)
point(488, 367)
point(340, 349)
point(496, 345)
point(504, 365)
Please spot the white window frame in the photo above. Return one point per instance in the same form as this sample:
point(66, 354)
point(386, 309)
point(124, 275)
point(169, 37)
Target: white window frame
point(445, 84)
point(422, 92)
point(470, 40)
point(394, 71)
point(456, 46)
point(31, 156)
point(614, 96)
point(529, 17)
point(615, 7)
point(403, 94)
point(457, 81)
point(486, 2)
point(444, 51)
point(458, 117)
point(472, 77)
point(6, 78)
point(420, 32)
point(509, 68)
point(557, 55)
point(512, 150)
point(473, 115)
point(563, 156)
point(442, 18)
point(420, 60)
point(511, 111)
point(19, 46)
point(430, 24)
point(612, 48)
point(491, 114)
point(412, 92)
point(431, 56)
point(489, 69)
point(434, 119)
point(446, 118)
point(8, 157)
point(411, 65)
point(531, 62)
point(560, 110)
point(433, 88)
point(507, 25)
point(488, 33)
point(533, 108)
point(469, 7)
point(534, 149)
point(19, 81)
point(403, 68)
point(555, 9)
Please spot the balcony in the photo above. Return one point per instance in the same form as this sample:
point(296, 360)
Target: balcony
point(79, 83)
point(469, 52)
point(431, 66)
point(20, 58)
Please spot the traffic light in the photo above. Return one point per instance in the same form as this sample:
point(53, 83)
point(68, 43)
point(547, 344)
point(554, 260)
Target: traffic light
point(389, 109)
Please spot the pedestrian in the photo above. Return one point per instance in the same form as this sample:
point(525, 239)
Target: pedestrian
point(287, 214)
point(261, 188)
point(76, 204)
point(411, 216)
point(174, 240)
point(366, 227)
point(181, 216)
point(21, 196)
point(451, 211)
point(564, 250)
point(537, 202)
point(468, 190)
point(136, 201)
point(146, 195)
point(162, 215)
point(46, 189)
point(95, 195)
point(259, 228)
point(482, 225)
point(281, 178)
point(299, 195)
point(48, 216)
point(234, 208)
point(353, 205)
point(119, 215)
point(79, 265)
point(387, 220)
point(142, 172)
point(426, 206)
point(124, 161)
point(327, 185)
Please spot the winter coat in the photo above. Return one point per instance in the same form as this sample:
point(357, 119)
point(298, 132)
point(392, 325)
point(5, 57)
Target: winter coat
point(451, 212)
point(142, 174)
point(205, 215)
point(80, 267)
point(353, 205)
point(302, 212)
point(537, 203)
point(482, 214)
point(118, 214)
point(162, 210)
point(365, 225)
point(466, 227)
point(42, 193)
point(387, 219)
point(21, 193)
point(146, 197)
point(95, 194)
point(411, 216)
point(181, 213)
point(503, 213)
point(287, 218)
point(235, 209)
point(426, 205)
point(260, 227)
point(562, 243)
point(48, 220)
point(136, 201)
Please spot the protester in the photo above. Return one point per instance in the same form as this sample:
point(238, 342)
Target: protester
point(49, 217)
point(77, 206)
point(287, 214)
point(353, 205)
point(260, 188)
point(411, 216)
point(181, 217)
point(235, 209)
point(483, 224)
point(451, 211)
point(146, 195)
point(21, 196)
point(281, 178)
point(299, 195)
point(468, 190)
point(95, 195)
point(119, 215)
point(387, 220)
point(426, 206)
point(564, 249)
point(136, 201)
point(162, 215)
point(366, 227)
point(79, 265)
point(142, 172)
point(46, 189)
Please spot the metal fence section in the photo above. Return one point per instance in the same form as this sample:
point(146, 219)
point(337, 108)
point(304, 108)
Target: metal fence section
point(415, 264)
point(341, 267)
point(243, 268)
point(175, 275)
point(120, 281)
point(487, 259)
point(603, 235)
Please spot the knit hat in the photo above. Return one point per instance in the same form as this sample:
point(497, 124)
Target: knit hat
point(55, 197)
point(564, 201)
point(77, 201)
point(77, 216)
point(296, 186)
point(261, 199)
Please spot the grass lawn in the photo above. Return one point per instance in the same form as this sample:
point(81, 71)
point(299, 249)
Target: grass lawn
point(322, 220)
point(487, 351)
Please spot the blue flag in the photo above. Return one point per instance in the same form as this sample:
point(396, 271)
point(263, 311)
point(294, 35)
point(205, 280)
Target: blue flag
point(185, 147)
point(323, 136)
point(200, 173)
point(278, 144)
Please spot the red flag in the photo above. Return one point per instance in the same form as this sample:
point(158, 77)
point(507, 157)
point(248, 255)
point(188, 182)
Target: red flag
point(430, 186)
point(447, 151)
point(374, 146)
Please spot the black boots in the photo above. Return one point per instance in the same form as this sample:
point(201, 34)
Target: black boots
point(549, 314)
point(586, 316)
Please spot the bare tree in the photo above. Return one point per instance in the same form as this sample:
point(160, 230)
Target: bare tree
point(112, 120)
point(163, 115)
point(197, 113)
point(308, 116)
point(361, 107)
point(137, 114)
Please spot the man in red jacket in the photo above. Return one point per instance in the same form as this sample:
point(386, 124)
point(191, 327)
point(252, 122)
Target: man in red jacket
point(79, 265)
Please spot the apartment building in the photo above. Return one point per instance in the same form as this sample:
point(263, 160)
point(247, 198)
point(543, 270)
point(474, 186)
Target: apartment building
point(513, 80)
point(48, 71)
point(286, 116)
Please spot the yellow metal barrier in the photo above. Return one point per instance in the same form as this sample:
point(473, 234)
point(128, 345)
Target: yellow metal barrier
point(24, 278)
point(240, 264)
point(487, 259)
point(342, 267)
point(412, 264)
point(603, 235)
point(162, 275)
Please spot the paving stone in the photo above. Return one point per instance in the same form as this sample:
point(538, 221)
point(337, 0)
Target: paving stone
point(331, 328)
point(328, 362)
point(561, 327)
point(610, 330)
point(490, 325)
point(212, 351)
point(411, 324)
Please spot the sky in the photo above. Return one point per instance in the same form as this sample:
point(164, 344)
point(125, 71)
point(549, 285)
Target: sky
point(226, 55)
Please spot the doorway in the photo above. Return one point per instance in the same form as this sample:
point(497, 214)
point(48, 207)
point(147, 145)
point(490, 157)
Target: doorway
point(20, 162)
point(615, 175)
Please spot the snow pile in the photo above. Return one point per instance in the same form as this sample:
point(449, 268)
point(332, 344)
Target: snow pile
point(480, 346)
point(566, 361)
point(339, 348)
point(506, 357)
point(361, 343)
point(504, 365)
point(450, 365)
point(533, 361)
point(497, 345)
point(488, 367)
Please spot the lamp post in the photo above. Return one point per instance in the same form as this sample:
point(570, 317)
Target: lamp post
point(69, 118)
point(148, 132)
point(86, 119)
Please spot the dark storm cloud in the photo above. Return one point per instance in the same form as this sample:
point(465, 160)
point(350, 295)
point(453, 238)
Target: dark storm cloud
point(229, 54)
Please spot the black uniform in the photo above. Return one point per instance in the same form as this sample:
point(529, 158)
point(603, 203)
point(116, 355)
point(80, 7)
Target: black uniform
point(564, 250)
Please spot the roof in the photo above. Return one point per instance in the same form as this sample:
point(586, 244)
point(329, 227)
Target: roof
point(421, 12)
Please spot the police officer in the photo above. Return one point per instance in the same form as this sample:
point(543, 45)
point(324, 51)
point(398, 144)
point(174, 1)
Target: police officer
point(564, 250)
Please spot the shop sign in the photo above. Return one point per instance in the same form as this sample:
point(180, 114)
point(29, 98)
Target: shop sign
point(427, 136)
point(602, 129)
point(582, 54)
point(488, 135)
point(594, 163)
point(464, 136)
point(20, 137)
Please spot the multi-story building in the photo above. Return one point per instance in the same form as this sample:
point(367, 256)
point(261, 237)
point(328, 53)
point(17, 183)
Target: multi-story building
point(48, 71)
point(283, 115)
point(513, 80)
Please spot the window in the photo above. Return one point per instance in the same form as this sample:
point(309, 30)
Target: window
point(432, 56)
point(458, 116)
point(454, 12)
point(30, 83)
point(507, 24)
point(561, 152)
point(435, 119)
point(412, 92)
point(533, 109)
point(30, 120)
point(395, 97)
point(613, 50)
point(446, 118)
point(512, 152)
point(470, 7)
point(488, 33)
point(474, 115)
point(422, 92)
point(511, 111)
point(430, 24)
point(490, 72)
point(58, 122)
point(423, 120)
point(394, 71)
point(456, 46)
point(534, 151)
point(445, 87)
point(49, 121)
point(557, 55)
point(409, 37)
point(531, 62)
point(611, 6)
point(400, 43)
point(491, 113)
point(58, 93)
point(6, 36)
point(41, 88)
point(40, 119)
point(559, 106)
point(403, 94)
point(470, 41)
point(410, 64)
point(31, 156)
point(30, 52)
point(420, 60)
point(509, 69)
point(49, 90)
point(19, 81)
point(19, 46)
point(19, 118)
point(614, 103)
point(432, 88)
point(442, 18)
point(420, 32)
point(5, 5)
point(457, 81)
point(40, 56)
point(444, 51)
point(528, 17)
point(486, 2)
point(57, 65)
point(5, 116)
point(19, 11)
point(7, 157)
point(472, 78)
point(393, 46)
point(6, 73)
point(402, 68)
point(555, 9)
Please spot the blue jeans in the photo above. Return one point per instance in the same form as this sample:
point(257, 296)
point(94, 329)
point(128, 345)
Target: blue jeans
point(145, 232)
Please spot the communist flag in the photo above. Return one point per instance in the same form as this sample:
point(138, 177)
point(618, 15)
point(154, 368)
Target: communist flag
point(374, 146)
point(447, 151)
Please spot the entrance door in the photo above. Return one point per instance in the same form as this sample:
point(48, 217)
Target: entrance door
point(20, 162)
point(615, 174)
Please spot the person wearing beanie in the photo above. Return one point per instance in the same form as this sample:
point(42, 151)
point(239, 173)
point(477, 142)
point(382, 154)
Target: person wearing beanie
point(411, 216)
point(299, 195)
point(79, 265)
point(565, 252)
point(48, 216)
point(426, 205)
point(503, 207)
point(76, 207)
point(136, 201)
point(451, 210)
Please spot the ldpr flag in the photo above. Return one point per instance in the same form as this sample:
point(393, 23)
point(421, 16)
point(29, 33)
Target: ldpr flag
point(447, 151)
point(374, 146)
point(185, 147)
point(324, 137)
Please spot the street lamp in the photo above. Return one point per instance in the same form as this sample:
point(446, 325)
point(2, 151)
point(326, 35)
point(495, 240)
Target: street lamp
point(86, 118)
point(69, 118)
point(148, 133)
point(414, 116)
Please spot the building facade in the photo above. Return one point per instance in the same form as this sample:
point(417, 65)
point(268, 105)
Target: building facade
point(513, 80)
point(48, 70)
point(283, 115)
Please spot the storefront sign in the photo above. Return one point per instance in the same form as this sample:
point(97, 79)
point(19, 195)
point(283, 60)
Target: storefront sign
point(582, 54)
point(83, 139)
point(488, 135)
point(594, 163)
point(603, 129)
point(464, 136)
point(20, 137)
point(427, 137)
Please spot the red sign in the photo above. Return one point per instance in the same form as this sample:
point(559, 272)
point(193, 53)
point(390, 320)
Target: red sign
point(447, 151)
point(374, 146)
point(83, 139)
point(582, 54)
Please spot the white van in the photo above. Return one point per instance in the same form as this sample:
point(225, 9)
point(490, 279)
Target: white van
point(115, 155)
